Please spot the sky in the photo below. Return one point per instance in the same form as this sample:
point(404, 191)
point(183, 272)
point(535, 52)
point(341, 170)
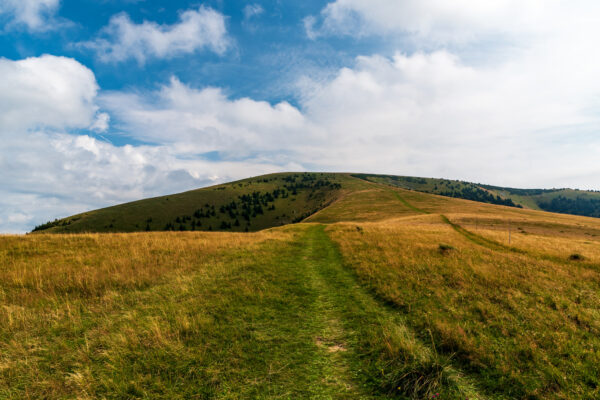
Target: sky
point(108, 101)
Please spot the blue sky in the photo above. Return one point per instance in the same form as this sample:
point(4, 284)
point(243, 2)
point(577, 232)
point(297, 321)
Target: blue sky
point(106, 101)
point(267, 46)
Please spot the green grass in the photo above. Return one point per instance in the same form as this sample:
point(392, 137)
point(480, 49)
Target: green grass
point(237, 324)
point(383, 354)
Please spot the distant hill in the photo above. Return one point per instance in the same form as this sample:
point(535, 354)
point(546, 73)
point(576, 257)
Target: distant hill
point(247, 205)
point(278, 199)
point(565, 201)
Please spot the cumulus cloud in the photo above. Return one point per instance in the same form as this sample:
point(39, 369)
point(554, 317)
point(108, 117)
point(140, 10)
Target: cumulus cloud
point(499, 91)
point(426, 113)
point(205, 120)
point(196, 30)
point(433, 115)
point(49, 91)
point(34, 15)
point(450, 22)
point(101, 123)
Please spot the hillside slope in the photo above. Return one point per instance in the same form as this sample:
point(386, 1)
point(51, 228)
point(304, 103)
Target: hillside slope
point(247, 205)
point(566, 201)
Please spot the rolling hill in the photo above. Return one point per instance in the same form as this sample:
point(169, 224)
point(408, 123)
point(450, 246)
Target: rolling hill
point(379, 292)
point(278, 199)
point(247, 205)
point(565, 201)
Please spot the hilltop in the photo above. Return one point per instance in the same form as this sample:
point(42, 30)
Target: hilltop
point(273, 200)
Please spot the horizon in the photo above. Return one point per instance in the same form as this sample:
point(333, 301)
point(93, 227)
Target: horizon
point(104, 102)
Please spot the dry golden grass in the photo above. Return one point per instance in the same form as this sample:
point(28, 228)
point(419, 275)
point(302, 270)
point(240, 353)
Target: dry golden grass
point(88, 316)
point(545, 235)
point(529, 221)
point(559, 247)
point(359, 206)
point(46, 266)
point(373, 202)
point(525, 325)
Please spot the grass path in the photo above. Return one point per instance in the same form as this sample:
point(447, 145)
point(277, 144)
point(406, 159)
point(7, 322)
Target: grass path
point(478, 239)
point(370, 352)
point(318, 259)
point(496, 246)
point(407, 204)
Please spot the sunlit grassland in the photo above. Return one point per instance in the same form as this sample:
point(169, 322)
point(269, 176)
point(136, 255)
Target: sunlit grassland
point(138, 315)
point(570, 239)
point(523, 325)
point(401, 295)
point(197, 315)
point(90, 264)
point(355, 207)
point(582, 249)
point(572, 201)
point(373, 202)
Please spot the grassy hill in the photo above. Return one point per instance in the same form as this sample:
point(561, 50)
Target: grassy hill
point(381, 292)
point(566, 201)
point(278, 199)
point(247, 205)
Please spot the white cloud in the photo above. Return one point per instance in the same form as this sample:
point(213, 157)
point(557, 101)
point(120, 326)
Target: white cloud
point(498, 91)
point(122, 39)
point(55, 92)
point(101, 123)
point(52, 175)
point(35, 15)
point(455, 22)
point(433, 115)
point(198, 121)
point(426, 114)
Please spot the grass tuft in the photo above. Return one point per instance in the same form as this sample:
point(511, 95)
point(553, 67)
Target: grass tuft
point(576, 257)
point(445, 248)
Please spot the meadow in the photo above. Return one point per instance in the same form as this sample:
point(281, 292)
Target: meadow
point(382, 293)
point(568, 201)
